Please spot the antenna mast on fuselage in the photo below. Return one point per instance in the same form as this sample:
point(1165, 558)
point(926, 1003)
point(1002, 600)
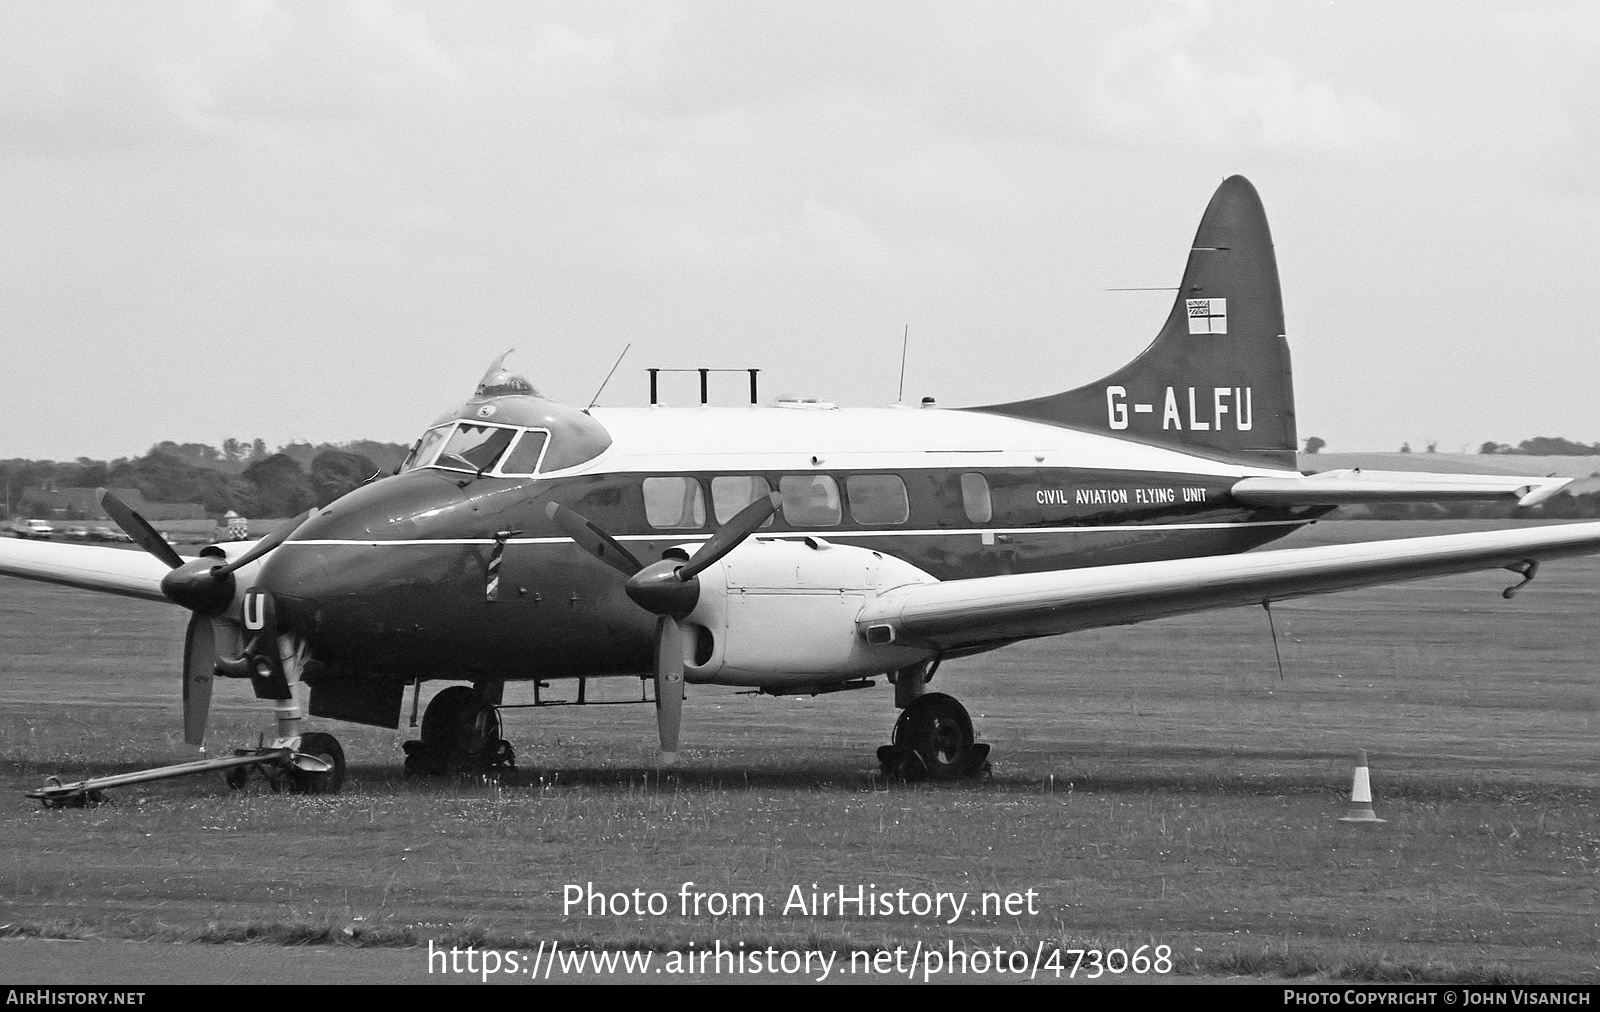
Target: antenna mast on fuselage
point(705, 385)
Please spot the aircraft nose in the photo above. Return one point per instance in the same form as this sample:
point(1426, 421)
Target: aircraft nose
point(400, 508)
point(366, 576)
point(354, 544)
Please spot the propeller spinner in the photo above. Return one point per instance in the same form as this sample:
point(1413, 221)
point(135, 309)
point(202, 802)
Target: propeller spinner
point(669, 589)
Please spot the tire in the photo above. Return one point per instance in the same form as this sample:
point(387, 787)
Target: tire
point(937, 728)
point(450, 722)
point(327, 748)
point(900, 763)
point(424, 760)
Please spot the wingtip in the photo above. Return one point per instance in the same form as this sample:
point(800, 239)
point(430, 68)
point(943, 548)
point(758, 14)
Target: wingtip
point(1537, 494)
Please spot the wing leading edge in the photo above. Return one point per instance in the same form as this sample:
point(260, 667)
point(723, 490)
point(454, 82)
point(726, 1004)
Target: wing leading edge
point(108, 570)
point(989, 611)
point(1343, 488)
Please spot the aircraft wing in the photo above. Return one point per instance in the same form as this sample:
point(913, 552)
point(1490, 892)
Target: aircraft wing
point(1343, 488)
point(989, 611)
point(109, 570)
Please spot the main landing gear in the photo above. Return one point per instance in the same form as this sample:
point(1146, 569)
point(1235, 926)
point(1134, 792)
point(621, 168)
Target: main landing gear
point(933, 737)
point(461, 734)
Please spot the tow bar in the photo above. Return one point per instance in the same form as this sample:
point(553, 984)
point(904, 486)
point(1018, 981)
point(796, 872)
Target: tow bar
point(273, 763)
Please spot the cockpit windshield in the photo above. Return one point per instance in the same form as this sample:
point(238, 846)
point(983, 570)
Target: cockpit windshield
point(480, 449)
point(474, 447)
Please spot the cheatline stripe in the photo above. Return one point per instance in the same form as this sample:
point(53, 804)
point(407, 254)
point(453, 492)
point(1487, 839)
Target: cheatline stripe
point(825, 534)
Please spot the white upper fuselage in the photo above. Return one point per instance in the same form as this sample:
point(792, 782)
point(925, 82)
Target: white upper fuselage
point(878, 439)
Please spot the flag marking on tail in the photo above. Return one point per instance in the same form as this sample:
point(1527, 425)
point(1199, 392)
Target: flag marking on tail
point(1208, 316)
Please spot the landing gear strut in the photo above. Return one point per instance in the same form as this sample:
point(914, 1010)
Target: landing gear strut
point(460, 734)
point(933, 739)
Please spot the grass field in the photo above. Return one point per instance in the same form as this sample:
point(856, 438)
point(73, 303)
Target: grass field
point(1155, 785)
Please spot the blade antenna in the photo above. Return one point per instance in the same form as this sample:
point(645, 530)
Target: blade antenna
point(905, 342)
point(1266, 605)
point(603, 382)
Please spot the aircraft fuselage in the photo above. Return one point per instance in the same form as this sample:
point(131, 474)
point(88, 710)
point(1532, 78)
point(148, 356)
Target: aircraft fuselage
point(437, 573)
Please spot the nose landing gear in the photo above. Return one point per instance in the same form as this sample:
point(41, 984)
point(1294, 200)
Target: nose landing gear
point(460, 734)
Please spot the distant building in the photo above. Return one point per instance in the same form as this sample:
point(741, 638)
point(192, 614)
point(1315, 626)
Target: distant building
point(84, 504)
point(173, 511)
point(76, 503)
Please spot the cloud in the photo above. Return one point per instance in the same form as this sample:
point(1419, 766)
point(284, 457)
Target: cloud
point(1165, 82)
point(80, 78)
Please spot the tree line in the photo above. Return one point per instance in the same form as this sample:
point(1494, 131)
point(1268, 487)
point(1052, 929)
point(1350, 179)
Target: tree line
point(1538, 446)
point(243, 477)
point(1545, 446)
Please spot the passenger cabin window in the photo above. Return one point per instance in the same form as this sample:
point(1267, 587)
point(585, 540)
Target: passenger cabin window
point(674, 502)
point(731, 493)
point(474, 447)
point(975, 498)
point(809, 500)
point(877, 499)
point(524, 457)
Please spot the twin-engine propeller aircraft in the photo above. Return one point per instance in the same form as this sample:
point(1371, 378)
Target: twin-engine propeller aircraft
point(796, 548)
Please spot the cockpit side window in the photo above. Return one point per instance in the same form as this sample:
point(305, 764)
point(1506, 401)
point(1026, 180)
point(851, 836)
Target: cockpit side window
point(474, 447)
point(524, 457)
point(427, 446)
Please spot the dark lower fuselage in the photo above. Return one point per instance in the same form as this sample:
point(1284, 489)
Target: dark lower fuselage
point(433, 574)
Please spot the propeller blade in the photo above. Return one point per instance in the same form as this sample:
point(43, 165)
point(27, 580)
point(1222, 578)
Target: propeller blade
point(593, 540)
point(139, 529)
point(730, 534)
point(265, 545)
point(669, 686)
point(199, 663)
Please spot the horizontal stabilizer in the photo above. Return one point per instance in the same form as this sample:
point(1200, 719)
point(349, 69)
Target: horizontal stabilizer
point(992, 610)
point(1344, 488)
point(108, 570)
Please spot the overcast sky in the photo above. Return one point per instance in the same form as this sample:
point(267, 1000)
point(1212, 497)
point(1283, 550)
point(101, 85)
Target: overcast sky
point(320, 221)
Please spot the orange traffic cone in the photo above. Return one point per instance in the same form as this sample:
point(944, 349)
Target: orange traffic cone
point(1361, 794)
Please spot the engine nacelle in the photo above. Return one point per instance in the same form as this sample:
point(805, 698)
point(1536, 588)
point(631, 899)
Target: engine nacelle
point(782, 614)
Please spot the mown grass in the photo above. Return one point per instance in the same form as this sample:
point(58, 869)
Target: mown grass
point(1155, 785)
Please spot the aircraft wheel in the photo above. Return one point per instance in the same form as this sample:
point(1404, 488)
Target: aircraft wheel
point(452, 739)
point(900, 763)
point(451, 722)
point(424, 760)
point(327, 748)
point(937, 728)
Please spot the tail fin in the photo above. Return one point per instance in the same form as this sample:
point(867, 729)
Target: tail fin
point(1216, 380)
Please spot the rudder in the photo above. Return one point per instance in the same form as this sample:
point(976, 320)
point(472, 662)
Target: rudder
point(1216, 381)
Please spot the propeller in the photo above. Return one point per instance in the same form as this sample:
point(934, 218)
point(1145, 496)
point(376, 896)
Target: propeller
point(139, 529)
point(669, 589)
point(204, 586)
